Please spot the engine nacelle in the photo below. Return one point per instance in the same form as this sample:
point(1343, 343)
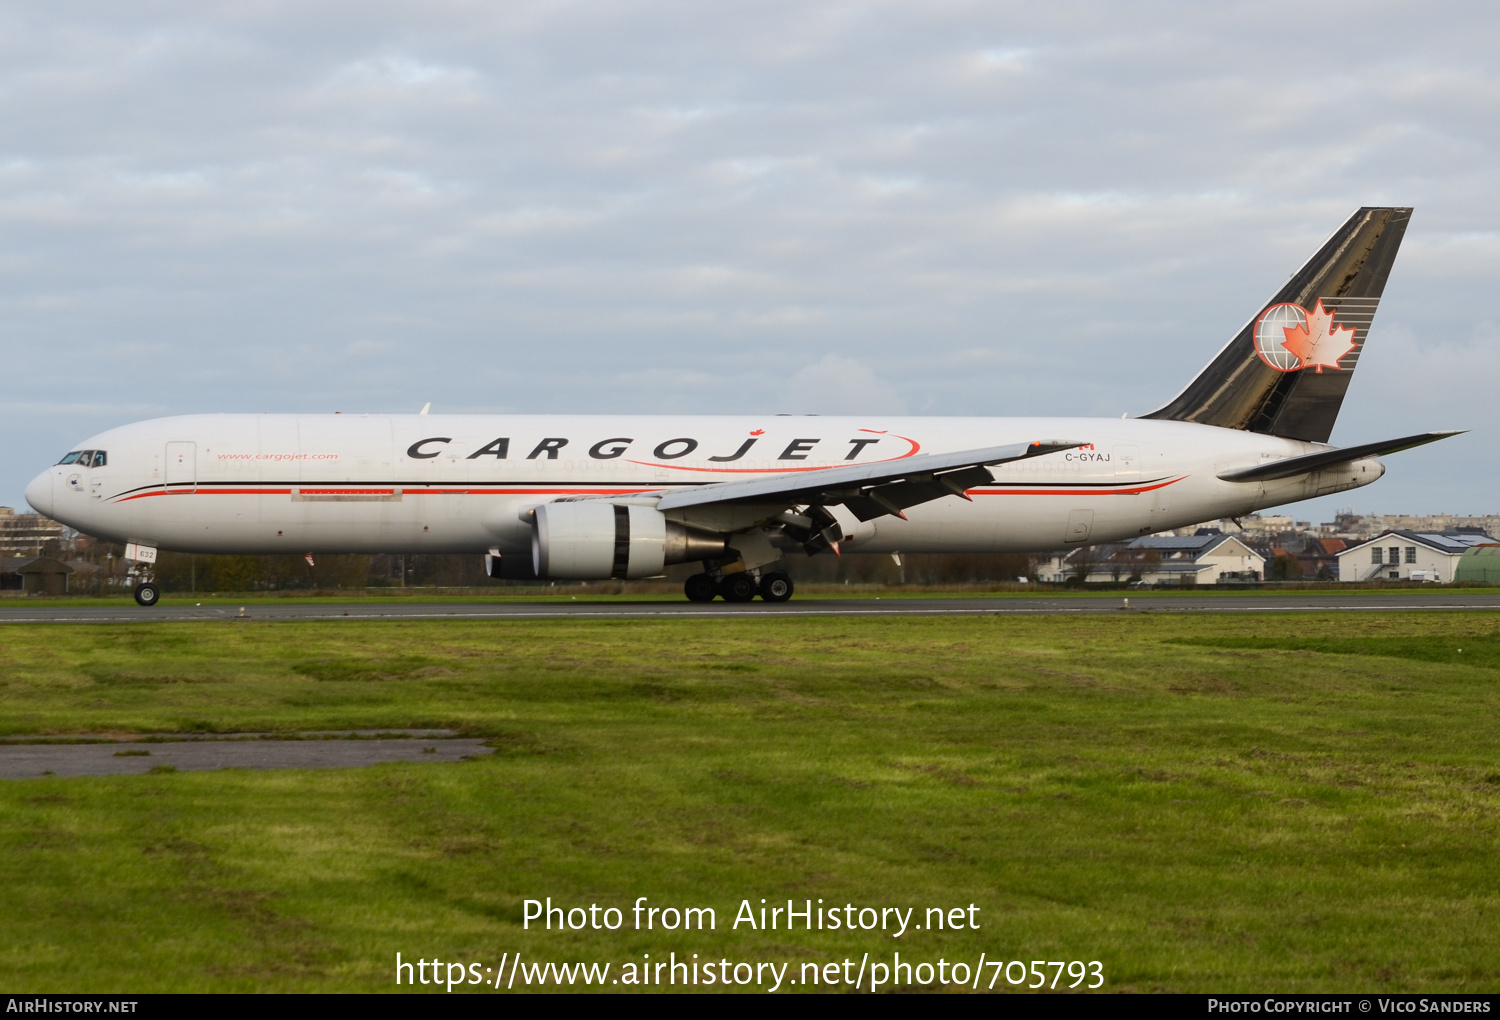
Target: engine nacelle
point(509, 567)
point(592, 540)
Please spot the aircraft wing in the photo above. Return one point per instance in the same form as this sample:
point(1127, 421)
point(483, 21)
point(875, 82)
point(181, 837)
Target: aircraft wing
point(1290, 466)
point(869, 490)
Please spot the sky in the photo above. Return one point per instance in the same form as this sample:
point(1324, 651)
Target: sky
point(575, 206)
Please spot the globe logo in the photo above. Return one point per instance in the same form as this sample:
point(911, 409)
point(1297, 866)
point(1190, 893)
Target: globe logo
point(1270, 336)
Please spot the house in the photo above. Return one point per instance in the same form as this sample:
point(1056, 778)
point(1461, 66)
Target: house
point(1408, 556)
point(1051, 567)
point(1209, 558)
point(9, 579)
point(1319, 557)
point(1205, 558)
point(1316, 559)
point(36, 576)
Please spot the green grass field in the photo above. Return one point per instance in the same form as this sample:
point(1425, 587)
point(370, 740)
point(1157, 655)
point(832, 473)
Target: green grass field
point(1284, 803)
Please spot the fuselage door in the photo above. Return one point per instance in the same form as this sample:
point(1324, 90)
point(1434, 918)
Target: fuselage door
point(97, 460)
point(182, 465)
point(1080, 523)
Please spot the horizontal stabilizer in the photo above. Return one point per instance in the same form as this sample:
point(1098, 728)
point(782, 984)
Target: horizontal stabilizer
point(1327, 458)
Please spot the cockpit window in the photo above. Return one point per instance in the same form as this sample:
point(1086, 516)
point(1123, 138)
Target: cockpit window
point(70, 458)
point(99, 458)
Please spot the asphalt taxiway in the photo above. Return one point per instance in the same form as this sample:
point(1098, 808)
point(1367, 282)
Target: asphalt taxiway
point(170, 610)
point(27, 757)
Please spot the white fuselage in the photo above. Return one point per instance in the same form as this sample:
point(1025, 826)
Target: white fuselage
point(242, 483)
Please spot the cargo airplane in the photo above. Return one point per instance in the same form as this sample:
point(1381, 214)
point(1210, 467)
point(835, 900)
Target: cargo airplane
point(610, 496)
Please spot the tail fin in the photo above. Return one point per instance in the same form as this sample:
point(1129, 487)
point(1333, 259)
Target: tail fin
point(1286, 372)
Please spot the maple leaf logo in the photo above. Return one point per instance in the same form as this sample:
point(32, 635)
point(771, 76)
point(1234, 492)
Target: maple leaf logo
point(758, 432)
point(1320, 342)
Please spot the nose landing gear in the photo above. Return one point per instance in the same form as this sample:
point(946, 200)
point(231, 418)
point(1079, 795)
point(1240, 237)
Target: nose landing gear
point(147, 594)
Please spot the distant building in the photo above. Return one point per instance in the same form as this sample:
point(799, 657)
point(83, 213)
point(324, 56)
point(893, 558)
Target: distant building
point(1051, 567)
point(1316, 559)
point(1254, 526)
point(40, 575)
point(1408, 556)
point(1267, 524)
point(23, 535)
point(1363, 526)
point(1209, 558)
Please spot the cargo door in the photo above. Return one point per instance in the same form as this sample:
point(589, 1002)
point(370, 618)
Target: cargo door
point(182, 465)
point(1080, 523)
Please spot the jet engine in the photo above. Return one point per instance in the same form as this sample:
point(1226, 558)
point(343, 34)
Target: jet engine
point(593, 540)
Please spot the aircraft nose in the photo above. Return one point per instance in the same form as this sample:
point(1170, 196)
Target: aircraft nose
point(39, 493)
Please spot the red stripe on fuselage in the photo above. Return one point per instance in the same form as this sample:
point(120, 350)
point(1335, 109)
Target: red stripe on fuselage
point(386, 492)
point(1130, 491)
point(194, 492)
point(1074, 492)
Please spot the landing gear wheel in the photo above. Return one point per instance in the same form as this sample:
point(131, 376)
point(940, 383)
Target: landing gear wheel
point(739, 587)
point(147, 594)
point(700, 588)
point(776, 587)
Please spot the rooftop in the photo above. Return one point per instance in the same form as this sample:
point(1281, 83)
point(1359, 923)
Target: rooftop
point(34, 565)
point(1197, 544)
point(1448, 543)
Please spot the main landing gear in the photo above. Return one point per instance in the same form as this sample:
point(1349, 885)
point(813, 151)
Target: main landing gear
point(776, 587)
point(739, 587)
point(700, 588)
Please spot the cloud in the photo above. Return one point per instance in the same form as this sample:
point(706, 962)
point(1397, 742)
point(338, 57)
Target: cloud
point(835, 384)
point(1004, 208)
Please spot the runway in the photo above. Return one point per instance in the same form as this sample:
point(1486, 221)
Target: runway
point(168, 610)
